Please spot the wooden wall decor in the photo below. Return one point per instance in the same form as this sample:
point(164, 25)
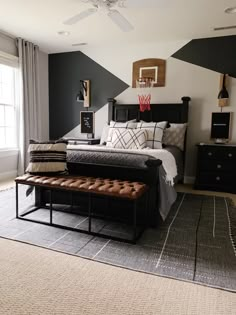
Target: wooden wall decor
point(223, 102)
point(152, 68)
point(86, 93)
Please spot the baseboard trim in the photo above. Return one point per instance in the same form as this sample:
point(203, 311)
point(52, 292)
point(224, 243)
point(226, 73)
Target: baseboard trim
point(8, 175)
point(189, 180)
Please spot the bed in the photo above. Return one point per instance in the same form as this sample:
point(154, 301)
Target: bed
point(143, 165)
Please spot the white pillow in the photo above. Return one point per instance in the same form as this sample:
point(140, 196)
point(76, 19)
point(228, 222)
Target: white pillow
point(155, 133)
point(104, 135)
point(175, 135)
point(131, 124)
point(129, 138)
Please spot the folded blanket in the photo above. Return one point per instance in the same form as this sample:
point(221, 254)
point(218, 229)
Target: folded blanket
point(168, 160)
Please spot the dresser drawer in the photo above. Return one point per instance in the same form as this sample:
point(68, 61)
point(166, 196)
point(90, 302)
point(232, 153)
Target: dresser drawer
point(220, 152)
point(215, 179)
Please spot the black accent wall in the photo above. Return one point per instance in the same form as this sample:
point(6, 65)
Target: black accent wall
point(216, 53)
point(65, 72)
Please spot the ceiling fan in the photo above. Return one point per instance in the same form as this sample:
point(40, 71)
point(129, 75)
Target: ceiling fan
point(107, 7)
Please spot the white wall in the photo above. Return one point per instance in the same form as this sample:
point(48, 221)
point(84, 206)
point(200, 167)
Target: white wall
point(118, 59)
point(182, 79)
point(7, 45)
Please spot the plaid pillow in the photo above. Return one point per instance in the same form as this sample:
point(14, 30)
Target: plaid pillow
point(175, 135)
point(131, 124)
point(155, 133)
point(47, 157)
point(129, 139)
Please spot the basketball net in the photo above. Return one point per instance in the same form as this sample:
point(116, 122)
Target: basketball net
point(144, 87)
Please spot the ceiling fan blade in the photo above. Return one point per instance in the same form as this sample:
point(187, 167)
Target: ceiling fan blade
point(120, 20)
point(144, 3)
point(78, 17)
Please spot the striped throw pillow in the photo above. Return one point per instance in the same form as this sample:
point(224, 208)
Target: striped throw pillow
point(47, 158)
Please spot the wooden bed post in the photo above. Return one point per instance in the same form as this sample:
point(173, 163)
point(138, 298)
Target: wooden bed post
point(111, 102)
point(186, 100)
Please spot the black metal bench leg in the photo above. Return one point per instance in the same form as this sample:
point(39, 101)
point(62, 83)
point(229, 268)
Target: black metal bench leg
point(134, 221)
point(90, 212)
point(50, 197)
point(71, 201)
point(17, 201)
point(146, 210)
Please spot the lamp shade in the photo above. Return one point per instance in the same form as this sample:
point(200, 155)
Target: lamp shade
point(80, 97)
point(223, 94)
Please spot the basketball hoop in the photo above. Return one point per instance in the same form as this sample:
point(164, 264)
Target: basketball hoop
point(144, 87)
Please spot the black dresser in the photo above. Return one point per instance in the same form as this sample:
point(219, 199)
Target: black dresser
point(216, 167)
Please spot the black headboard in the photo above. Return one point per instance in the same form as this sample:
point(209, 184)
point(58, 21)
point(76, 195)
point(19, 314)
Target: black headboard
point(173, 113)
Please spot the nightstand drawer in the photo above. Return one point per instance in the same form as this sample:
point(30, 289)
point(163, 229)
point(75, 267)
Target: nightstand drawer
point(217, 165)
point(217, 153)
point(230, 154)
point(216, 179)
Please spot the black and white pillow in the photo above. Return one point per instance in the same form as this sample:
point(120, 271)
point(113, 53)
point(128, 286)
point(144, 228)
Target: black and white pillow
point(129, 139)
point(155, 133)
point(131, 124)
point(47, 157)
point(175, 135)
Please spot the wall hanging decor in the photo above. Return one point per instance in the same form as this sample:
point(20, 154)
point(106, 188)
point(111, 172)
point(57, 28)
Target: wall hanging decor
point(150, 68)
point(87, 123)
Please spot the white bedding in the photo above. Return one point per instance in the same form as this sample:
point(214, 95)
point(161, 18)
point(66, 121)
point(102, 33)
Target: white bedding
point(168, 160)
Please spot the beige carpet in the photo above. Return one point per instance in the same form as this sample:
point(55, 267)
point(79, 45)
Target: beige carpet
point(6, 184)
point(34, 280)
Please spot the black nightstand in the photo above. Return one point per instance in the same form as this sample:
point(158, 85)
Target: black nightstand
point(216, 167)
point(83, 141)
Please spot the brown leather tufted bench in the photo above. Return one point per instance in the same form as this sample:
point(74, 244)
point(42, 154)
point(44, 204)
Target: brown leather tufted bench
point(90, 185)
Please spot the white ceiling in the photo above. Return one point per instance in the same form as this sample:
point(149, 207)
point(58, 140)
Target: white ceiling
point(40, 20)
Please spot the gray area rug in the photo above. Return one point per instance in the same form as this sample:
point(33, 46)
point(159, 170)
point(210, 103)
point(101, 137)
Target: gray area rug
point(196, 243)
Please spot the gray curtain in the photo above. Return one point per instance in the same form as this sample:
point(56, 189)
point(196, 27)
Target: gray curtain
point(29, 108)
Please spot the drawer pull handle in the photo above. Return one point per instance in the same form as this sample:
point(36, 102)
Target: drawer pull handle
point(209, 153)
point(219, 166)
point(230, 155)
point(218, 178)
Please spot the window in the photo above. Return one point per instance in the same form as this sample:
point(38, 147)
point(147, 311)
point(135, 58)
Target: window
point(7, 107)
